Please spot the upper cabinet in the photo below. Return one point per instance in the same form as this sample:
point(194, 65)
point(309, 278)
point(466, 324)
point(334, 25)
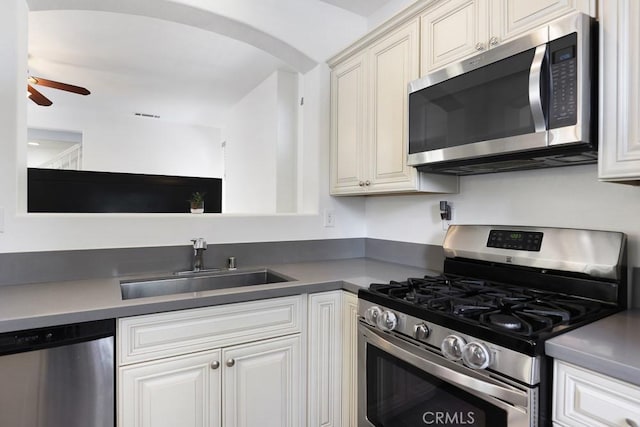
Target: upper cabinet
point(369, 139)
point(369, 106)
point(455, 29)
point(619, 133)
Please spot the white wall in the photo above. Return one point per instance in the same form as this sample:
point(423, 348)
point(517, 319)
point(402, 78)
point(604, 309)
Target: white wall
point(35, 232)
point(251, 138)
point(136, 145)
point(559, 197)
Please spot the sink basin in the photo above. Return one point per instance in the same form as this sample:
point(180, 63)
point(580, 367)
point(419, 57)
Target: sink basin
point(196, 282)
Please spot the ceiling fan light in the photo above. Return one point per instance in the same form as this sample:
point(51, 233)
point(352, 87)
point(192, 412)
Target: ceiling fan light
point(32, 80)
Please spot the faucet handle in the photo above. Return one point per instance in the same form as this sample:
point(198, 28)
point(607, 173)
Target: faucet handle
point(199, 243)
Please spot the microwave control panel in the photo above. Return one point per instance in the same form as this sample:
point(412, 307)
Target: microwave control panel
point(563, 96)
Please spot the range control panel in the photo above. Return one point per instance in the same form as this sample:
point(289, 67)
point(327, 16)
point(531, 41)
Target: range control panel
point(517, 240)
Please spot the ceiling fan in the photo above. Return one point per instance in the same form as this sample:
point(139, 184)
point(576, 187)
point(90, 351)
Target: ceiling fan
point(42, 100)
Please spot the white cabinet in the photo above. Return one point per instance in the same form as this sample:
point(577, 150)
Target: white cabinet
point(583, 398)
point(180, 391)
point(369, 118)
point(232, 365)
point(325, 358)
point(348, 92)
point(455, 29)
point(619, 138)
point(332, 359)
point(349, 360)
point(262, 384)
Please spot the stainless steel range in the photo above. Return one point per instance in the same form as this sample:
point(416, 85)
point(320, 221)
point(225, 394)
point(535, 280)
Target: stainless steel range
point(467, 348)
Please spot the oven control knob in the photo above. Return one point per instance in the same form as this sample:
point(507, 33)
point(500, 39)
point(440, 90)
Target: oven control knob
point(452, 347)
point(476, 355)
point(421, 331)
point(372, 314)
point(387, 321)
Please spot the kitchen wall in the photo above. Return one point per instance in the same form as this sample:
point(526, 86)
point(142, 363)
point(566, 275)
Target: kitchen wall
point(260, 148)
point(21, 232)
point(122, 143)
point(560, 197)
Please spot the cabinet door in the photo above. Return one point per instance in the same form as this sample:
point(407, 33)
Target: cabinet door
point(325, 358)
point(262, 384)
point(619, 139)
point(181, 391)
point(511, 18)
point(348, 146)
point(452, 30)
point(393, 64)
point(586, 398)
point(349, 360)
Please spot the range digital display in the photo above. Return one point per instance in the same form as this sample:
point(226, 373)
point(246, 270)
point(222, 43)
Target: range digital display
point(516, 240)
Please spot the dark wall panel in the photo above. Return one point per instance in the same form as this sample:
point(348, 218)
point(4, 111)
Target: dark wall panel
point(70, 191)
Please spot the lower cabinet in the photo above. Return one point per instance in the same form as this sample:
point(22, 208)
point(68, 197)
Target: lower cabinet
point(349, 360)
point(236, 365)
point(262, 384)
point(584, 398)
point(332, 383)
point(179, 391)
point(257, 384)
point(289, 362)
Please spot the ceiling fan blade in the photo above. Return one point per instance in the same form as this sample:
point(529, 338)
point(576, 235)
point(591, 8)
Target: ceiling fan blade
point(37, 97)
point(57, 85)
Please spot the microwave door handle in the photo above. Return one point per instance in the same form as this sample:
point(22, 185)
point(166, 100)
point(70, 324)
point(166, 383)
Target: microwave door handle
point(535, 98)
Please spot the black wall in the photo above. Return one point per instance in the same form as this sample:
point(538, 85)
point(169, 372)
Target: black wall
point(71, 191)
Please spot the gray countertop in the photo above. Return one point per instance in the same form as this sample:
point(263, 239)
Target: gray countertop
point(610, 346)
point(46, 304)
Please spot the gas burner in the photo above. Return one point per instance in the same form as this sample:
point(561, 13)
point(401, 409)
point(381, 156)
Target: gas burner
point(505, 321)
point(502, 307)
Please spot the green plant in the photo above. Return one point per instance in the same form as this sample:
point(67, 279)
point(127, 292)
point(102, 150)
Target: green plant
point(197, 198)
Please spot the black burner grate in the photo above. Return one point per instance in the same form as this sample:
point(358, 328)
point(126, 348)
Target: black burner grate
point(500, 307)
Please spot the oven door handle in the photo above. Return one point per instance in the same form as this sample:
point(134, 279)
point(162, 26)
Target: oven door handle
point(535, 97)
point(427, 362)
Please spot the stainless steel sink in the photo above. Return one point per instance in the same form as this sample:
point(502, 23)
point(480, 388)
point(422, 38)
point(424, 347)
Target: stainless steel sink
point(196, 282)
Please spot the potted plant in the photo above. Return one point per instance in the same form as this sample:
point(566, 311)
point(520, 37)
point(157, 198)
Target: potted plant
point(197, 202)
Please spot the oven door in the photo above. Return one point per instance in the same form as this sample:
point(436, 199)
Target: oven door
point(401, 384)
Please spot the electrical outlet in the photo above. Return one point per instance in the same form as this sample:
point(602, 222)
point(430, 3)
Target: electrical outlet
point(329, 218)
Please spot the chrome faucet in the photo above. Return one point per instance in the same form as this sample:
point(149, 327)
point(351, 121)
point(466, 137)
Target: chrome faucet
point(199, 246)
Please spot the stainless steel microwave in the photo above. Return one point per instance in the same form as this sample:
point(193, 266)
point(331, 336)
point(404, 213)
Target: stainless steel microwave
point(529, 103)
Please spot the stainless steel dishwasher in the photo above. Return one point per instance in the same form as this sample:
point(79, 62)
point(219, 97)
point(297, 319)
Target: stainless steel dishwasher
point(61, 376)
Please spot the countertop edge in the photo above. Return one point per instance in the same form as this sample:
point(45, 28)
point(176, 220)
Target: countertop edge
point(606, 347)
point(41, 305)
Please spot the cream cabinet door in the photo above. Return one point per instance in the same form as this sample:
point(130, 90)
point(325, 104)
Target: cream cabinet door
point(262, 384)
point(511, 18)
point(325, 359)
point(455, 29)
point(180, 391)
point(619, 139)
point(349, 360)
point(348, 143)
point(452, 30)
point(393, 64)
point(583, 398)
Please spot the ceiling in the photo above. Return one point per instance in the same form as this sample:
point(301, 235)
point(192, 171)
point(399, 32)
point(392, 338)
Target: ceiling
point(361, 7)
point(182, 73)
